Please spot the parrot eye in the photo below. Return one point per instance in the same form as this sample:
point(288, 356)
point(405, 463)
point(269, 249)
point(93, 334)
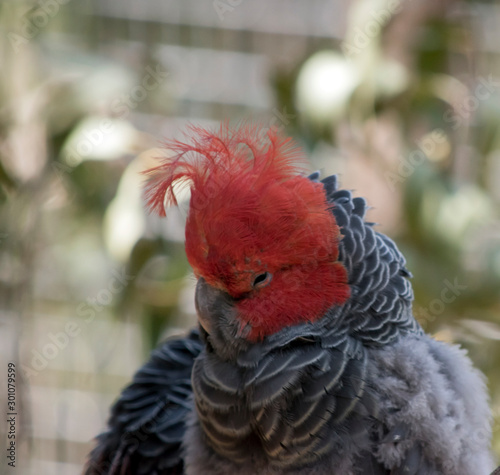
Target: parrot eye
point(262, 280)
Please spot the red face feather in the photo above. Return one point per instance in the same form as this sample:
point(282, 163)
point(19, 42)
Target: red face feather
point(252, 213)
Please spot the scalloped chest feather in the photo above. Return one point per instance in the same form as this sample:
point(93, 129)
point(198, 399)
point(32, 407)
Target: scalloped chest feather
point(286, 410)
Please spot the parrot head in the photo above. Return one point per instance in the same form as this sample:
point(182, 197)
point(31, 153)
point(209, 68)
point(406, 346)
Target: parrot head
point(260, 236)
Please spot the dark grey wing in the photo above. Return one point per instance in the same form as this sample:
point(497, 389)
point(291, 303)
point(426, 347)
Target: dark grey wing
point(381, 294)
point(147, 423)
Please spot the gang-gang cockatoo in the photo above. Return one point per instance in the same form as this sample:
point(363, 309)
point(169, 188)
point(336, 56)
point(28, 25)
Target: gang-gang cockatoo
point(307, 359)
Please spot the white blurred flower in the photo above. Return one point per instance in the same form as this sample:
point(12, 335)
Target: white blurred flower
point(324, 86)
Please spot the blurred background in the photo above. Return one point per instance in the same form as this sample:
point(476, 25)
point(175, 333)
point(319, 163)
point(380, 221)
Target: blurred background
point(401, 98)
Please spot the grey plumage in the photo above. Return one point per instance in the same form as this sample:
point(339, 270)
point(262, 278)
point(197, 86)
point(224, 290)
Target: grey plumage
point(360, 391)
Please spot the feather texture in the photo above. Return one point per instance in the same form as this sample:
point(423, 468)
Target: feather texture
point(211, 161)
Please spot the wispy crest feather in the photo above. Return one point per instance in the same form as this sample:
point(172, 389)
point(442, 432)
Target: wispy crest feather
point(207, 158)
